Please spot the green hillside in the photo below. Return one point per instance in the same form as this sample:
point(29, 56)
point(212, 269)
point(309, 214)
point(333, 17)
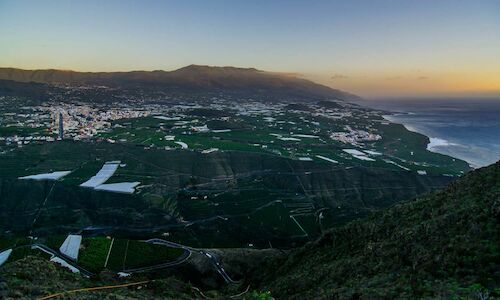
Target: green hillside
point(185, 191)
point(443, 245)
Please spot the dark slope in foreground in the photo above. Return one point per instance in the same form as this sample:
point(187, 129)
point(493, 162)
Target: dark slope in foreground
point(446, 243)
point(35, 277)
point(189, 79)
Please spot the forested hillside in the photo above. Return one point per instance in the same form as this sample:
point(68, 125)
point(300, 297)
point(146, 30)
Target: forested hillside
point(442, 245)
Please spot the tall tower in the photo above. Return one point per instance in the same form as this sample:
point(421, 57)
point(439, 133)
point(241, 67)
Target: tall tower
point(61, 126)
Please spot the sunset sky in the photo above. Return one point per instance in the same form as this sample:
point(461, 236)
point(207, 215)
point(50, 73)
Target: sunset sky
point(371, 48)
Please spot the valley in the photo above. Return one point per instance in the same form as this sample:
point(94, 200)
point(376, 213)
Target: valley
point(253, 150)
point(148, 188)
point(203, 173)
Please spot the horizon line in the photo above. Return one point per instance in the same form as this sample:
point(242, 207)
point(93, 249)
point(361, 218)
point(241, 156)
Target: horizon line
point(466, 95)
point(147, 70)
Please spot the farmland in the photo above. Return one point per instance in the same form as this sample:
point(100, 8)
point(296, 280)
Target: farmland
point(287, 132)
point(216, 175)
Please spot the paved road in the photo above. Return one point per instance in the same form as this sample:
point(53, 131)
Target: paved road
point(85, 272)
point(185, 256)
point(213, 259)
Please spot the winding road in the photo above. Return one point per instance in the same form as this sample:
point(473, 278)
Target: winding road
point(180, 260)
point(213, 259)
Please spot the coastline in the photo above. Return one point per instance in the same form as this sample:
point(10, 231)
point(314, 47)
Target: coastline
point(466, 129)
point(436, 144)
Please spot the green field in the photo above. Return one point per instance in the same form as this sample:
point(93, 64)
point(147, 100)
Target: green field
point(253, 134)
point(189, 186)
point(123, 253)
point(130, 254)
point(93, 254)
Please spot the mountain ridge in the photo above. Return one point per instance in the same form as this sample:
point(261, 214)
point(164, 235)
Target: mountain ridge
point(189, 78)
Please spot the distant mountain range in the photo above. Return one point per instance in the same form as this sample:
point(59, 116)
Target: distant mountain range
point(193, 78)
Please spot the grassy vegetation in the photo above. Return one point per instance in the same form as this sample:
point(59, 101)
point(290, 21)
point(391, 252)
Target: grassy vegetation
point(125, 254)
point(140, 254)
point(21, 248)
point(195, 187)
point(93, 254)
point(405, 142)
point(34, 277)
point(7, 242)
point(117, 257)
point(23, 252)
point(54, 241)
point(131, 254)
point(442, 245)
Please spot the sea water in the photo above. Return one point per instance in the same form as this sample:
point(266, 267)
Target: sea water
point(468, 129)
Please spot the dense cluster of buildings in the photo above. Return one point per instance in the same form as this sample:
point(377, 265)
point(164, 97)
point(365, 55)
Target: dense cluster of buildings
point(354, 136)
point(78, 121)
point(84, 121)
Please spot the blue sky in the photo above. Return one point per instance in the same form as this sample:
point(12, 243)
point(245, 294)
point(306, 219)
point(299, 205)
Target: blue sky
point(374, 48)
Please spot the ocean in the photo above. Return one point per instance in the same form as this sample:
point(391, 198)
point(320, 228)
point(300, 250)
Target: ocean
point(468, 129)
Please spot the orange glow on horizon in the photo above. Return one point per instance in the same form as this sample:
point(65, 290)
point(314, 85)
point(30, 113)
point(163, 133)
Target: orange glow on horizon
point(418, 84)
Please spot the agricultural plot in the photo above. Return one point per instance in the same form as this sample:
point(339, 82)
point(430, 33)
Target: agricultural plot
point(140, 254)
point(97, 253)
point(117, 255)
point(221, 175)
point(299, 133)
point(131, 254)
point(190, 191)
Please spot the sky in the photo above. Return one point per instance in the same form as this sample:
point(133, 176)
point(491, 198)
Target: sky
point(373, 48)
